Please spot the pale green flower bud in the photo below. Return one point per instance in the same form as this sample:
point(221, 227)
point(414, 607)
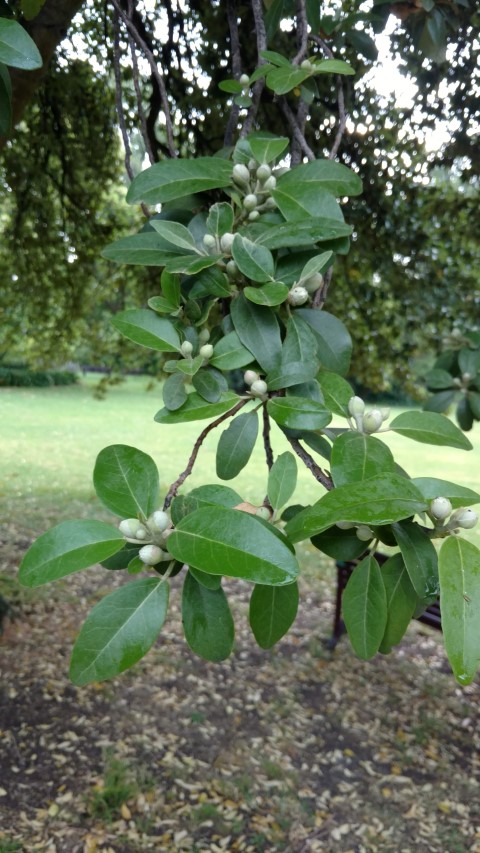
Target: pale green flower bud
point(241, 175)
point(298, 295)
point(250, 201)
point(306, 65)
point(263, 172)
point(158, 521)
point(364, 533)
point(150, 555)
point(129, 527)
point(440, 508)
point(270, 183)
point(385, 414)
point(206, 351)
point(356, 406)
point(226, 241)
point(463, 517)
point(264, 512)
point(253, 165)
point(186, 349)
point(313, 283)
point(209, 241)
point(232, 270)
point(244, 80)
point(372, 421)
point(259, 388)
point(250, 376)
point(204, 336)
point(345, 525)
point(269, 203)
point(142, 532)
point(253, 215)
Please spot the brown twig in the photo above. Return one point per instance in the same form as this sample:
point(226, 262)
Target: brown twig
point(156, 75)
point(321, 294)
point(259, 85)
point(236, 68)
point(296, 130)
point(302, 32)
point(118, 94)
point(266, 438)
point(138, 93)
point(342, 115)
point(196, 448)
point(312, 466)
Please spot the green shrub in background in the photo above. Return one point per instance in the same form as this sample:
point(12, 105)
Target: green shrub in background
point(17, 376)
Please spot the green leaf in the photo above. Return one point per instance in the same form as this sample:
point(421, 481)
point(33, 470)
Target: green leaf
point(300, 343)
point(215, 494)
point(67, 548)
point(207, 621)
point(144, 327)
point(334, 344)
point(5, 101)
point(210, 384)
point(254, 261)
point(304, 201)
point(304, 233)
point(290, 374)
point(190, 366)
point(258, 330)
point(31, 8)
point(420, 558)
point(174, 392)
point(364, 605)
point(380, 500)
point(209, 581)
point(464, 414)
point(229, 542)
point(272, 612)
point(146, 249)
point(298, 413)
point(284, 79)
point(191, 264)
point(440, 402)
point(356, 457)
point(211, 282)
point(220, 218)
point(336, 392)
point(119, 631)
point(469, 361)
point(171, 289)
point(267, 147)
point(333, 66)
point(233, 87)
point(339, 544)
point(275, 58)
point(271, 294)
point(459, 569)
point(16, 47)
point(236, 445)
point(474, 402)
point(161, 305)
point(171, 179)
point(326, 174)
point(126, 481)
point(230, 354)
point(401, 601)
point(176, 235)
point(363, 44)
point(314, 265)
point(196, 408)
point(431, 488)
point(438, 379)
point(282, 480)
point(430, 428)
point(122, 558)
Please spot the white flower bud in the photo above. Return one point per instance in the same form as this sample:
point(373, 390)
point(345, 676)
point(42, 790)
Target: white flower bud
point(142, 532)
point(158, 521)
point(204, 336)
point(253, 215)
point(129, 527)
point(150, 555)
point(264, 512)
point(209, 241)
point(463, 517)
point(466, 377)
point(440, 508)
point(250, 201)
point(269, 203)
point(240, 174)
point(253, 165)
point(313, 283)
point(270, 183)
point(186, 349)
point(244, 80)
point(250, 376)
point(206, 351)
point(259, 388)
point(263, 172)
point(372, 421)
point(226, 241)
point(345, 525)
point(298, 295)
point(385, 414)
point(356, 406)
point(232, 270)
point(306, 65)
point(364, 533)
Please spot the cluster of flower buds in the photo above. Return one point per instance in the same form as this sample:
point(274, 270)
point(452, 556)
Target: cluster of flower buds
point(152, 535)
point(366, 422)
point(255, 183)
point(205, 349)
point(258, 387)
point(363, 531)
point(440, 511)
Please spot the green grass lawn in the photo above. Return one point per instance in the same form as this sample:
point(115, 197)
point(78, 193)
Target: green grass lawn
point(51, 436)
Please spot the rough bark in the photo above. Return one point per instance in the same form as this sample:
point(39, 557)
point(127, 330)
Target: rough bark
point(47, 30)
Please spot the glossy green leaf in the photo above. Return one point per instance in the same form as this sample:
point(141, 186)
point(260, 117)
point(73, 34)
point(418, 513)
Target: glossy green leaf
point(440, 402)
point(430, 428)
point(191, 264)
point(459, 570)
point(175, 234)
point(304, 201)
point(315, 265)
point(220, 218)
point(207, 620)
point(464, 414)
point(258, 330)
point(253, 260)
point(210, 384)
point(236, 444)
point(333, 66)
point(172, 179)
point(282, 479)
point(211, 282)
point(271, 294)
point(190, 366)
point(216, 494)
point(174, 392)
point(380, 500)
point(275, 58)
point(290, 374)
point(303, 233)
point(67, 548)
point(272, 611)
point(233, 87)
point(126, 481)
point(161, 305)
point(122, 558)
point(326, 174)
point(474, 403)
point(364, 606)
point(284, 79)
point(336, 392)
point(144, 327)
point(339, 544)
point(5, 101)
point(356, 457)
point(401, 601)
point(469, 361)
point(209, 581)
point(420, 558)
point(267, 147)
point(196, 408)
point(300, 344)
point(145, 249)
point(438, 379)
point(119, 631)
point(16, 47)
point(431, 488)
point(229, 542)
point(298, 413)
point(334, 344)
point(229, 353)
point(171, 289)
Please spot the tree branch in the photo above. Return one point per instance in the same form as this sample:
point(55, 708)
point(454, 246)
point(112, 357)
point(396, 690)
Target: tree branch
point(259, 85)
point(312, 466)
point(235, 53)
point(196, 447)
point(266, 438)
point(342, 115)
point(296, 130)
